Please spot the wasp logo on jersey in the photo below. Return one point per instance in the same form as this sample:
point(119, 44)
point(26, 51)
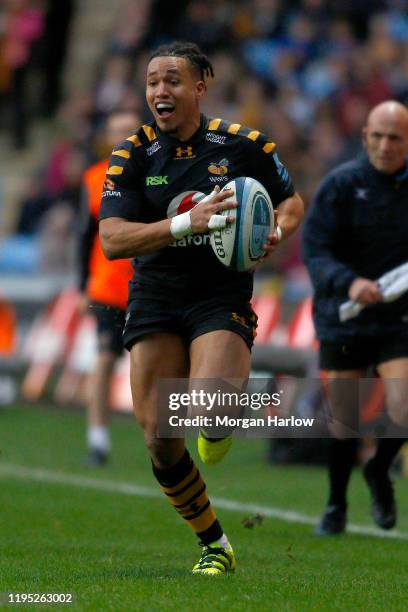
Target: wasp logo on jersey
point(184, 153)
point(219, 168)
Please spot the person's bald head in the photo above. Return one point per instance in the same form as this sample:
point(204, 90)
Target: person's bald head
point(385, 136)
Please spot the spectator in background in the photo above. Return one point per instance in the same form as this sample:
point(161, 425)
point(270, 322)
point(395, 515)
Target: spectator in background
point(24, 25)
point(58, 227)
point(46, 220)
point(105, 284)
point(48, 215)
point(57, 243)
point(207, 23)
point(35, 205)
point(58, 19)
point(131, 29)
point(114, 85)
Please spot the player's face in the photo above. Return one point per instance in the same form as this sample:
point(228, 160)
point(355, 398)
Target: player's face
point(173, 93)
point(386, 142)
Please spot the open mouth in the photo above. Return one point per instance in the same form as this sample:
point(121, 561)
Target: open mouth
point(165, 109)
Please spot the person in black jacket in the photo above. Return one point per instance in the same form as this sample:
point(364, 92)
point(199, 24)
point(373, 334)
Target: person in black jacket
point(355, 233)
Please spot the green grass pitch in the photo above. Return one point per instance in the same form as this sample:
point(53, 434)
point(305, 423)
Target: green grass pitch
point(63, 529)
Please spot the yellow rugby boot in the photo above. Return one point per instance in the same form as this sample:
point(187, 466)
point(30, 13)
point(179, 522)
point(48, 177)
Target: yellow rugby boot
point(212, 450)
point(215, 560)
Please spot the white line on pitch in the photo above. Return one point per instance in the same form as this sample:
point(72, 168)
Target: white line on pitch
point(42, 475)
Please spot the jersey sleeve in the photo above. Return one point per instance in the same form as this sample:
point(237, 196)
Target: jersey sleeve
point(122, 194)
point(323, 245)
point(270, 171)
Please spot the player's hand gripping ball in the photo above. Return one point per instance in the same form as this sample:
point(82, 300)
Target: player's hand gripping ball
point(240, 244)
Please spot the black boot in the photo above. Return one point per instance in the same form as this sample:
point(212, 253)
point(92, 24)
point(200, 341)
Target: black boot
point(383, 508)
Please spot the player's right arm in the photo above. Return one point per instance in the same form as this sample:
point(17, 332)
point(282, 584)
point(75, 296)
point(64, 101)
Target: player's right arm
point(121, 238)
point(123, 233)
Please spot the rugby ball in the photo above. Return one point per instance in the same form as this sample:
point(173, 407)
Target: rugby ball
point(239, 245)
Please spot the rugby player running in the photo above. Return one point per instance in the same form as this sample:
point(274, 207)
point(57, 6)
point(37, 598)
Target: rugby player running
point(188, 315)
point(355, 232)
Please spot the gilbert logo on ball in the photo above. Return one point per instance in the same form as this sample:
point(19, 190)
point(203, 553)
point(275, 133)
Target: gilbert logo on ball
point(240, 245)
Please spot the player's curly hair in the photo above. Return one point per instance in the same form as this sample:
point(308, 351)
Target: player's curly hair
point(191, 52)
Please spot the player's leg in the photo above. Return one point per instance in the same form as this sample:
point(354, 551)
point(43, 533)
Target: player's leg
point(165, 356)
point(218, 355)
point(343, 398)
point(376, 472)
point(221, 334)
point(153, 357)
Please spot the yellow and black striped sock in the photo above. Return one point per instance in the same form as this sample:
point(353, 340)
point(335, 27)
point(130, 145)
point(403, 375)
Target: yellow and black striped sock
point(186, 491)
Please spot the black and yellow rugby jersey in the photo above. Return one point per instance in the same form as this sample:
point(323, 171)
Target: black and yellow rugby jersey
point(153, 176)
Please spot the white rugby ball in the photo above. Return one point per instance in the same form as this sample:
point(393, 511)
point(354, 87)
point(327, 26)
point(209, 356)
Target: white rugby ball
point(239, 245)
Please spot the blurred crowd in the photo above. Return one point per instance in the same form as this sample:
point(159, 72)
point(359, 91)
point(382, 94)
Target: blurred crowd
point(306, 72)
point(33, 43)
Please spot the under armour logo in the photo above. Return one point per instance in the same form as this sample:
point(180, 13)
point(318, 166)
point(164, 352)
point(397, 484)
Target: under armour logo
point(184, 153)
point(361, 194)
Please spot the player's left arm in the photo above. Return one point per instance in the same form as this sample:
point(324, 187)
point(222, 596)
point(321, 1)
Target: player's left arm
point(288, 217)
point(288, 205)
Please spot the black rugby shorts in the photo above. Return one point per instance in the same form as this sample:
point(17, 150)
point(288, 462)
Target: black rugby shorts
point(193, 319)
point(361, 353)
point(109, 322)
